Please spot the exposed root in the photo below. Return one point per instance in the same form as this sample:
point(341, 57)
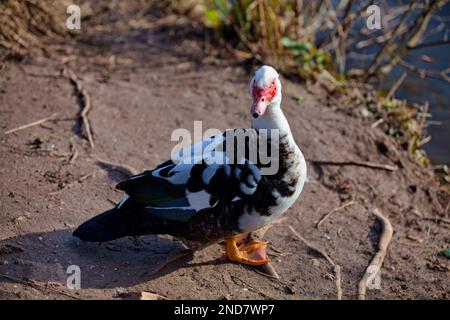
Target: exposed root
point(86, 99)
point(31, 124)
point(377, 261)
point(345, 205)
point(337, 268)
point(356, 163)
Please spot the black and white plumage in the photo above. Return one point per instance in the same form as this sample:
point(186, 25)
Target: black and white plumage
point(200, 195)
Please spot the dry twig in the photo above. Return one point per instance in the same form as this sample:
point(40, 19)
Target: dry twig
point(437, 219)
point(414, 238)
point(79, 180)
point(377, 261)
point(233, 277)
point(396, 85)
point(144, 295)
point(356, 163)
point(73, 156)
point(337, 268)
point(31, 124)
point(34, 285)
point(74, 152)
point(345, 205)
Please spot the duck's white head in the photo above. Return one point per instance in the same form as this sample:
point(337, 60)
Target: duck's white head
point(265, 89)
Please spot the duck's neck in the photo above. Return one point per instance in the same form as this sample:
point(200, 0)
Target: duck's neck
point(291, 164)
point(273, 118)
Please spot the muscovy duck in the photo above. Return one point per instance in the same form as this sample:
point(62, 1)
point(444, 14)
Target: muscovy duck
point(201, 200)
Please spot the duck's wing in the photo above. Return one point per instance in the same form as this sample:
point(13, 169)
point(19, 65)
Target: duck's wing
point(194, 181)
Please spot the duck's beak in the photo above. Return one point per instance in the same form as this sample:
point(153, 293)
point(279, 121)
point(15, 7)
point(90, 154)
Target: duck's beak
point(259, 106)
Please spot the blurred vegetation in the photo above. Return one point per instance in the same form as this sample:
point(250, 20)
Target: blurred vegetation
point(303, 35)
point(312, 39)
point(273, 31)
point(25, 22)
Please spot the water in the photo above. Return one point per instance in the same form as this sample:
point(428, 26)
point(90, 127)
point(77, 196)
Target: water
point(436, 92)
point(417, 90)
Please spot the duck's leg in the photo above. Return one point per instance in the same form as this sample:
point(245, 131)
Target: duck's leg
point(242, 238)
point(251, 253)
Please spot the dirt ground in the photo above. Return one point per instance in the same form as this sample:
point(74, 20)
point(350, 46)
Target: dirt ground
point(145, 81)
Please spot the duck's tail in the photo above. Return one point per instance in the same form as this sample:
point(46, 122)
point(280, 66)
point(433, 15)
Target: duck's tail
point(126, 219)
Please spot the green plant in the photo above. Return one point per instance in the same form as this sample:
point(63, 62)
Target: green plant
point(306, 55)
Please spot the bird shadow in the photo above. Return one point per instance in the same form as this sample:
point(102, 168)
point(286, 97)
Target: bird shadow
point(46, 257)
point(113, 173)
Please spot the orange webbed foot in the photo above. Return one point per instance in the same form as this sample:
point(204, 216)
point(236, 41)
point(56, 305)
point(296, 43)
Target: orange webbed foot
point(250, 253)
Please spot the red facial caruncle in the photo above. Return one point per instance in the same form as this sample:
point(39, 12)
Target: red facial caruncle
point(262, 97)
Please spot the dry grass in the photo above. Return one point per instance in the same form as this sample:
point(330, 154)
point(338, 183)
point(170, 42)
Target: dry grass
point(300, 36)
point(24, 23)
